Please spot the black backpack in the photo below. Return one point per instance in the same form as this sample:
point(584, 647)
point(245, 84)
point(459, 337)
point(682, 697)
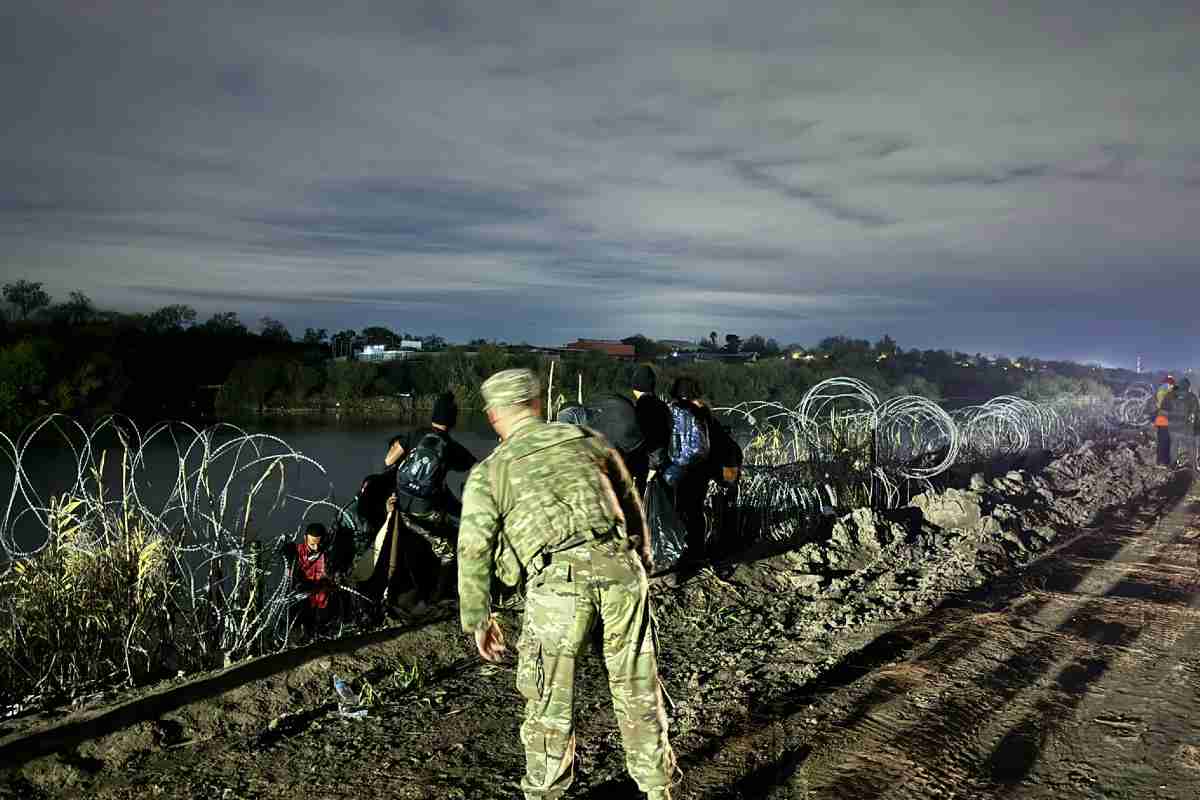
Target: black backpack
point(724, 455)
point(371, 503)
point(615, 417)
point(423, 471)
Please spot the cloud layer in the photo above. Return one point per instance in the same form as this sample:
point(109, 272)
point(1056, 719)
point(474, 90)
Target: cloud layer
point(988, 178)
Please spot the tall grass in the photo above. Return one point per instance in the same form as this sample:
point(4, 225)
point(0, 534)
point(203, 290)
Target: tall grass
point(153, 559)
point(90, 607)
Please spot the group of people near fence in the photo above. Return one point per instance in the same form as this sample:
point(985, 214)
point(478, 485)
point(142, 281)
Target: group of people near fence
point(1175, 412)
point(577, 513)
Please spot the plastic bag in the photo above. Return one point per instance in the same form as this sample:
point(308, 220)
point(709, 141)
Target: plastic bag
point(668, 533)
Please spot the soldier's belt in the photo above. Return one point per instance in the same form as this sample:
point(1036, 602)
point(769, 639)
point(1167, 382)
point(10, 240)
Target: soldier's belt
point(547, 555)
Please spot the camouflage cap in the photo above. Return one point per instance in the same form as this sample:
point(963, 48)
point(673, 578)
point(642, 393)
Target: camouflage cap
point(508, 388)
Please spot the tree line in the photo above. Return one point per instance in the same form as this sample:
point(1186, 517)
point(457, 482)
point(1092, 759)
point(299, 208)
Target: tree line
point(953, 378)
point(75, 358)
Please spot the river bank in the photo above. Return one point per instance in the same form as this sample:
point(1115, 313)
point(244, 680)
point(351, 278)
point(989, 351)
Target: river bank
point(405, 409)
point(741, 642)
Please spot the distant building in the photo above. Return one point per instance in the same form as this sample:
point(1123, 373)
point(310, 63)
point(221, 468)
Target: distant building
point(717, 355)
point(681, 356)
point(608, 347)
point(549, 353)
point(410, 344)
point(679, 345)
point(380, 352)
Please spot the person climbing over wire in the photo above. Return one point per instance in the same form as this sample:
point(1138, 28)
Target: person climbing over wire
point(311, 567)
point(427, 507)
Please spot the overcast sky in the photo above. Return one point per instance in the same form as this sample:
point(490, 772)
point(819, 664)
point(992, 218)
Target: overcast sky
point(982, 176)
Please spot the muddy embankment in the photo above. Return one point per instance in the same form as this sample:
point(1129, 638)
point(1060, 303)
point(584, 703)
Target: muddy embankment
point(742, 645)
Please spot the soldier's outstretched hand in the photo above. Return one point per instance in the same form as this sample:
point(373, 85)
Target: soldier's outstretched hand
point(489, 640)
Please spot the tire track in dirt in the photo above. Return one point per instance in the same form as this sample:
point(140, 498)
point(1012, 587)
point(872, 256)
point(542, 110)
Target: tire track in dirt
point(779, 736)
point(1104, 646)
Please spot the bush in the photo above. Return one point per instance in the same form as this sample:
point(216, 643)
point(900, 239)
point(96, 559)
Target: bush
point(349, 380)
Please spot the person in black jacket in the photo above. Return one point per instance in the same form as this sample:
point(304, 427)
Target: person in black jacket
point(1185, 422)
point(412, 497)
point(425, 505)
point(654, 420)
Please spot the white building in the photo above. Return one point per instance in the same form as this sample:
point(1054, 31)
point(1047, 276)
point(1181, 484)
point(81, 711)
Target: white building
point(380, 352)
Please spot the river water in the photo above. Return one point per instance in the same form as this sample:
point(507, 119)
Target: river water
point(240, 454)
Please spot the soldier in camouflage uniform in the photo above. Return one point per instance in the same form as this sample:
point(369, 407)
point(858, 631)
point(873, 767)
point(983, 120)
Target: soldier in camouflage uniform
point(554, 506)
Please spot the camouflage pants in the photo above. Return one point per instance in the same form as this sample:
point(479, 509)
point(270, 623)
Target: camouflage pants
point(432, 555)
point(595, 583)
point(438, 529)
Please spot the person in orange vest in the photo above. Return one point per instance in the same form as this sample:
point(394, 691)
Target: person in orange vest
point(1163, 400)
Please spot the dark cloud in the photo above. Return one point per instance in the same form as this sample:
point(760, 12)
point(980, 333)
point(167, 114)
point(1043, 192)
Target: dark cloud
point(540, 170)
point(825, 202)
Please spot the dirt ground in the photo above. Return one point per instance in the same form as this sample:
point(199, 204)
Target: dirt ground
point(1003, 640)
point(1079, 678)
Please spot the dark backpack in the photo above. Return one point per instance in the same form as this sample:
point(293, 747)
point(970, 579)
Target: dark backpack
point(371, 503)
point(615, 417)
point(725, 454)
point(422, 473)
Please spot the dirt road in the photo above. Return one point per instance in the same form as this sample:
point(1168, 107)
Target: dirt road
point(1079, 679)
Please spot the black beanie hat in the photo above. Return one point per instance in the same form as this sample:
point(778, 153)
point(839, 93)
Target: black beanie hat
point(445, 410)
point(644, 379)
point(686, 387)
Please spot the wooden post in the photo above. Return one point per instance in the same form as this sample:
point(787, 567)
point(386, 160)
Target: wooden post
point(393, 557)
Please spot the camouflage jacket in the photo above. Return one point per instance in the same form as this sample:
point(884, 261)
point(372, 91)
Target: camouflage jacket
point(546, 483)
